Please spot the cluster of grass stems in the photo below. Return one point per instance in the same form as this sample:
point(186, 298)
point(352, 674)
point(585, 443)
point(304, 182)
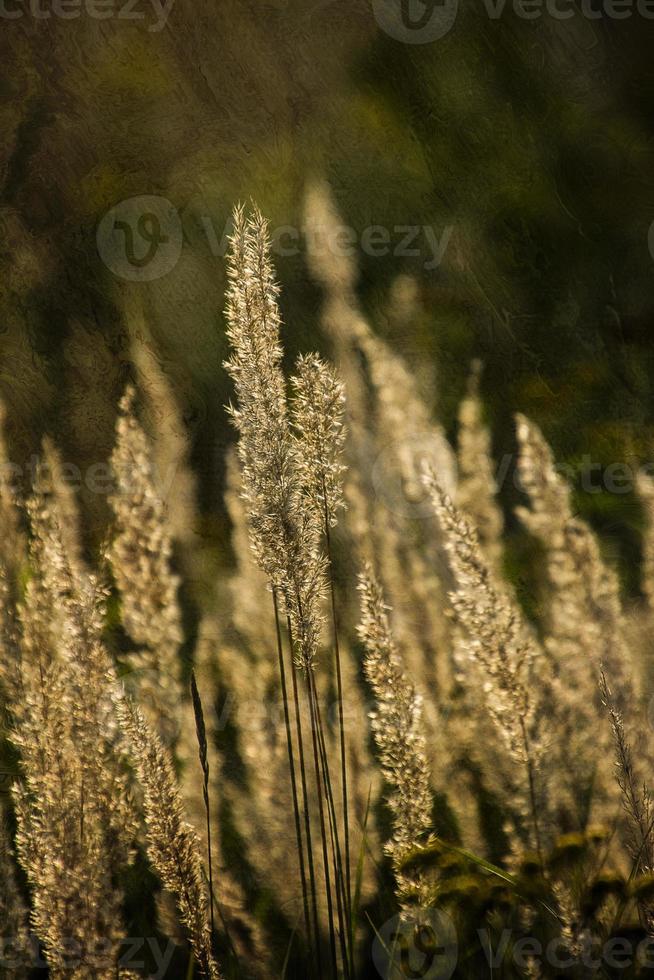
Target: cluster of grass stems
point(452, 753)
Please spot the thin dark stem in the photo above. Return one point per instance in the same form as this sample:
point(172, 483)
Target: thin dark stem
point(323, 835)
point(209, 859)
point(305, 800)
point(341, 897)
point(291, 765)
point(203, 751)
point(341, 720)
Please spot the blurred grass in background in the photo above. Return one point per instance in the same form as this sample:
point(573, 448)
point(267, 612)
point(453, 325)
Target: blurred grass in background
point(531, 140)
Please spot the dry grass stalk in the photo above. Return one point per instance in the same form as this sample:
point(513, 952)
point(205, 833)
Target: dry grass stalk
point(173, 846)
point(141, 556)
point(584, 628)
point(251, 608)
point(391, 430)
point(318, 410)
point(13, 913)
point(502, 644)
point(476, 487)
point(75, 820)
point(585, 590)
point(162, 413)
point(284, 530)
point(291, 486)
point(245, 936)
point(75, 824)
point(635, 795)
point(317, 415)
point(203, 751)
point(400, 739)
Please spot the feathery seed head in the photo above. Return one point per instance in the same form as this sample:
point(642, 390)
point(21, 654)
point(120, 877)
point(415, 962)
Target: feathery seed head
point(141, 555)
point(399, 734)
point(584, 625)
point(285, 530)
point(318, 411)
point(173, 845)
point(499, 642)
point(476, 486)
point(75, 823)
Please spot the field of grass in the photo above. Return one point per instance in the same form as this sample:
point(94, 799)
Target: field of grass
point(326, 521)
point(375, 758)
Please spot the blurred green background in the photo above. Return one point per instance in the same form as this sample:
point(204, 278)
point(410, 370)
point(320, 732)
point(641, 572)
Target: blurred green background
point(530, 140)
